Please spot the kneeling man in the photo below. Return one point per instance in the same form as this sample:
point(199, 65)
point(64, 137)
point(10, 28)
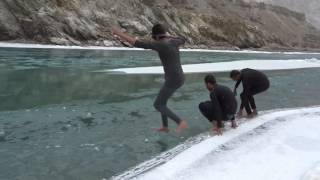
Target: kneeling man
point(222, 107)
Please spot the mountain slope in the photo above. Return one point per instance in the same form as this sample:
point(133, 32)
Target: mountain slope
point(311, 8)
point(205, 23)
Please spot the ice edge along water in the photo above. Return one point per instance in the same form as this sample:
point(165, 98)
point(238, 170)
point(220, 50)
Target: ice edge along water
point(168, 164)
point(225, 66)
point(47, 46)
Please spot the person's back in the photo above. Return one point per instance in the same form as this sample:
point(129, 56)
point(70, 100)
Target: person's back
point(253, 82)
point(221, 107)
point(168, 50)
point(226, 99)
point(253, 78)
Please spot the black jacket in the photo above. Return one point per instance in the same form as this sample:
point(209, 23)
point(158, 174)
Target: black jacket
point(223, 101)
point(252, 79)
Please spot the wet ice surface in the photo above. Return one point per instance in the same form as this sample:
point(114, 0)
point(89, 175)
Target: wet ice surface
point(285, 145)
point(58, 120)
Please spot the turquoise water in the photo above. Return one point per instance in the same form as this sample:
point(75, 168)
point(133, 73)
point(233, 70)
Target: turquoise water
point(59, 120)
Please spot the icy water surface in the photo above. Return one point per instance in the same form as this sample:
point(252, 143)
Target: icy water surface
point(59, 120)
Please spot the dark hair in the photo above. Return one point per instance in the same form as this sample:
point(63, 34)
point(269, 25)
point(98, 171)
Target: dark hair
point(158, 29)
point(210, 79)
point(234, 73)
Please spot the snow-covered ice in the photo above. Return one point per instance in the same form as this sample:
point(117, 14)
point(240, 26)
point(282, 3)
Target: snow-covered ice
point(48, 46)
point(277, 145)
point(284, 151)
point(225, 66)
point(313, 173)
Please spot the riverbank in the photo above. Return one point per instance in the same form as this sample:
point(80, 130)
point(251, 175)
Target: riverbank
point(267, 147)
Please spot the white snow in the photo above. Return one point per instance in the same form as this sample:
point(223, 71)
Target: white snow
point(225, 66)
point(47, 46)
point(280, 145)
point(313, 173)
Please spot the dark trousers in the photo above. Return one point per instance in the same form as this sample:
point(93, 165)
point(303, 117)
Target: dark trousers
point(161, 105)
point(207, 111)
point(247, 100)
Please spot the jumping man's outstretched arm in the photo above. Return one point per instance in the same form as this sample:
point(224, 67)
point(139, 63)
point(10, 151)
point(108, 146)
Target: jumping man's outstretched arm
point(179, 41)
point(123, 36)
point(133, 41)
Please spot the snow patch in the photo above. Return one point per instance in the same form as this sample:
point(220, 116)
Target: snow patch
point(313, 173)
point(47, 46)
point(225, 66)
point(280, 144)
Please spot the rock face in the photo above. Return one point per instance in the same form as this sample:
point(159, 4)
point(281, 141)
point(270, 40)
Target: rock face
point(311, 8)
point(205, 23)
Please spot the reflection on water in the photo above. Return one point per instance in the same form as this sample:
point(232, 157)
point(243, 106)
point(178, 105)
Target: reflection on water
point(58, 120)
point(35, 87)
point(19, 59)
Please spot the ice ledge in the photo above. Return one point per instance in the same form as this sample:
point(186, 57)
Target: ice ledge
point(179, 160)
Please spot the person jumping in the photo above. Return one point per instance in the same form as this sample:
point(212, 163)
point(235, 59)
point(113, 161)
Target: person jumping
point(168, 51)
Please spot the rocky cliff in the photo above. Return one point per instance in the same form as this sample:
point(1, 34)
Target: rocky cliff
point(205, 23)
point(310, 7)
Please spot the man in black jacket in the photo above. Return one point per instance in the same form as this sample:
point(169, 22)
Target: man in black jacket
point(253, 82)
point(222, 107)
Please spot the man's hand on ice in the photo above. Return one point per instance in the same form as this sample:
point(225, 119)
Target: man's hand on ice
point(217, 131)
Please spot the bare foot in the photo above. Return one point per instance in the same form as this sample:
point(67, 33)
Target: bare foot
point(163, 129)
point(234, 124)
point(239, 114)
point(250, 116)
point(217, 131)
point(255, 112)
point(182, 126)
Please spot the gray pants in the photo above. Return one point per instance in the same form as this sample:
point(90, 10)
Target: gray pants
point(161, 105)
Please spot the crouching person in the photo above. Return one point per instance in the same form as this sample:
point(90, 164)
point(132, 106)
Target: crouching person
point(222, 107)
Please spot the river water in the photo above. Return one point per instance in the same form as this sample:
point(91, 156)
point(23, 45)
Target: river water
point(61, 120)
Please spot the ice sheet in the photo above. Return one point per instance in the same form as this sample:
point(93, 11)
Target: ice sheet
point(279, 145)
point(225, 66)
point(48, 46)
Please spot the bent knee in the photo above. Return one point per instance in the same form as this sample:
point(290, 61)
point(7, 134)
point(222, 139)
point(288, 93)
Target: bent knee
point(158, 107)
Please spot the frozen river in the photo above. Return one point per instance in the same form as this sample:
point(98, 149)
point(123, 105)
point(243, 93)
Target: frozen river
point(60, 119)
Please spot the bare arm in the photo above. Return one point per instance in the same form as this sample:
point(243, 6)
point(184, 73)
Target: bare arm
point(123, 36)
